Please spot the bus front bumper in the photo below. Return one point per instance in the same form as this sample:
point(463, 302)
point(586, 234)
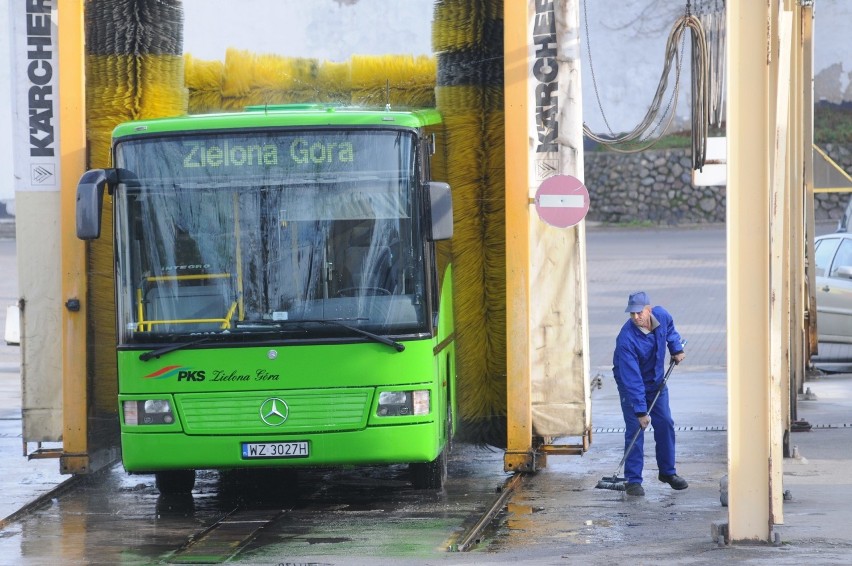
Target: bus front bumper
point(151, 452)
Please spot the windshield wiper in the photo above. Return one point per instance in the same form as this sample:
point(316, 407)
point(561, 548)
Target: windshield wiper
point(399, 347)
point(171, 348)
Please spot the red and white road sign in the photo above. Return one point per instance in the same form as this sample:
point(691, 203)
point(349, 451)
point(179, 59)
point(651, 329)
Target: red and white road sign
point(562, 201)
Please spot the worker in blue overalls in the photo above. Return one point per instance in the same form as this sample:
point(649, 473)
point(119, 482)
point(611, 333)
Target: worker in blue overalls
point(638, 367)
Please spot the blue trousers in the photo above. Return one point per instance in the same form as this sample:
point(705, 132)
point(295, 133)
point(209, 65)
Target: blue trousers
point(664, 437)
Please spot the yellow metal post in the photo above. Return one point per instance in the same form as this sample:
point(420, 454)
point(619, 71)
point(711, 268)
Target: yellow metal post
point(779, 266)
point(519, 434)
point(73, 132)
point(798, 329)
point(807, 141)
point(548, 366)
point(749, 142)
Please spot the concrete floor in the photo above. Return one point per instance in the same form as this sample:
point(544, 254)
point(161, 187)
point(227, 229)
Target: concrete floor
point(556, 516)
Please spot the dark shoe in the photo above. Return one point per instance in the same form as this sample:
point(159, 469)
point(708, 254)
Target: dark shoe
point(635, 489)
point(674, 480)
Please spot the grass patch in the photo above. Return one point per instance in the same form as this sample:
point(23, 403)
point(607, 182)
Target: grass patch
point(674, 140)
point(832, 123)
point(679, 140)
point(637, 224)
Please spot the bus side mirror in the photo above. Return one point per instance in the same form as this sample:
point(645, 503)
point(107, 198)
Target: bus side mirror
point(90, 202)
point(442, 210)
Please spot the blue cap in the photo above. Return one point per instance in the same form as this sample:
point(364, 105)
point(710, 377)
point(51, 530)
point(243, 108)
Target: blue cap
point(637, 302)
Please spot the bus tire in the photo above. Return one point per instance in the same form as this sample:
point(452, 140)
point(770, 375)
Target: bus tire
point(173, 482)
point(430, 475)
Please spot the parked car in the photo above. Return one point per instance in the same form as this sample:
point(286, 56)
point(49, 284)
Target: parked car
point(845, 221)
point(833, 273)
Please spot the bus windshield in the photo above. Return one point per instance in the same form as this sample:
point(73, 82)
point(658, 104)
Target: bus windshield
point(269, 235)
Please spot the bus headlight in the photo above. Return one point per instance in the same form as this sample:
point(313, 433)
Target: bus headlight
point(149, 411)
point(402, 403)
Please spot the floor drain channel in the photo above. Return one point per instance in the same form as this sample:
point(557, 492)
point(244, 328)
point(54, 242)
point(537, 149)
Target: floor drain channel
point(224, 539)
point(677, 429)
point(604, 430)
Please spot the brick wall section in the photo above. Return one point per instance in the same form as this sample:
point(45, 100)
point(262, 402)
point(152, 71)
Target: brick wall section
point(656, 187)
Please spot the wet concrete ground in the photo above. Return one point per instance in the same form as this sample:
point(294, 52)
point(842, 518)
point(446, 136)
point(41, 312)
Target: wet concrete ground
point(21, 481)
point(369, 513)
point(555, 517)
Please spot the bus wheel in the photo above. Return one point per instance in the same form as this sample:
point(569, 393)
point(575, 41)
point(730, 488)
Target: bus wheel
point(175, 481)
point(430, 475)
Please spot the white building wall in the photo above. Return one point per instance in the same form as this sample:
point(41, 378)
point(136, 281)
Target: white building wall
point(832, 51)
point(7, 192)
point(628, 42)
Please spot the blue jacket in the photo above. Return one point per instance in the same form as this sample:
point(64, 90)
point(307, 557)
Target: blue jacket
point(638, 363)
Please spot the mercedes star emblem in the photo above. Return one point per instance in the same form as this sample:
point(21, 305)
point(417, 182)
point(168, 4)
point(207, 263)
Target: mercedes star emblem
point(274, 411)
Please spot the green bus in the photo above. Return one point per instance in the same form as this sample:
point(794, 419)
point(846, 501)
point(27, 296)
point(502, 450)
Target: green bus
point(279, 298)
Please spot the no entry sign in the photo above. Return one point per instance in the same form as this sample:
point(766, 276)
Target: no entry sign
point(562, 201)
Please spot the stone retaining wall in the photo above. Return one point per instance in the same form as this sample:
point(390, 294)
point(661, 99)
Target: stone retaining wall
point(830, 206)
point(656, 187)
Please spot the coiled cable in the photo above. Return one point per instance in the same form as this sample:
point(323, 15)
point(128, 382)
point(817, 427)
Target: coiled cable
point(705, 110)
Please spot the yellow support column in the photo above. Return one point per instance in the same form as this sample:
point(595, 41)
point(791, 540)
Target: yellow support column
point(749, 150)
point(779, 304)
point(518, 455)
point(807, 141)
point(547, 340)
point(795, 221)
point(73, 132)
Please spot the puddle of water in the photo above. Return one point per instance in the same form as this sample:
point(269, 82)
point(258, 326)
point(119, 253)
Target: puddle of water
point(523, 523)
point(519, 509)
point(599, 523)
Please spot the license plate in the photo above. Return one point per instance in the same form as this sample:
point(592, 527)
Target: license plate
point(252, 450)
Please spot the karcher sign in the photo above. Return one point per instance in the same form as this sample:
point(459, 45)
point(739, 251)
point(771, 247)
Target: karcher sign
point(35, 127)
